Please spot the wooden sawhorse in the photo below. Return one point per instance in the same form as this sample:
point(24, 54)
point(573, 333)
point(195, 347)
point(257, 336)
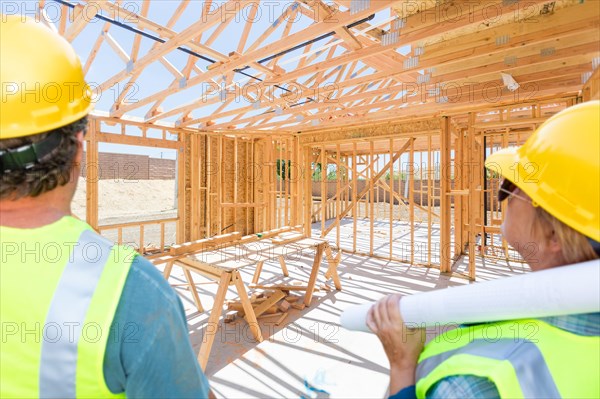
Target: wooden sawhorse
point(224, 264)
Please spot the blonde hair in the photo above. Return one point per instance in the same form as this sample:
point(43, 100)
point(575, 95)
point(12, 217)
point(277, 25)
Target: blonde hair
point(575, 246)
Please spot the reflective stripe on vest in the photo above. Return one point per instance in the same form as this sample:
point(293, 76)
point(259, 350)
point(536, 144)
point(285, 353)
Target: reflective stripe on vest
point(69, 306)
point(522, 358)
point(528, 362)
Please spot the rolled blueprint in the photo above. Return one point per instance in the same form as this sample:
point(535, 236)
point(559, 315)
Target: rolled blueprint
point(559, 291)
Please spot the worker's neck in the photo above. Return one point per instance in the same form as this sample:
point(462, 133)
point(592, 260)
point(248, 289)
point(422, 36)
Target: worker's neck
point(33, 212)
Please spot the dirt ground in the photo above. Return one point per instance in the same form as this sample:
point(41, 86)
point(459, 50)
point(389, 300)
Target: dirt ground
point(127, 200)
point(122, 201)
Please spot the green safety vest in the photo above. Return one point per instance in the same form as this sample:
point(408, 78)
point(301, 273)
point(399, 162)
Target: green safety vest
point(60, 285)
point(524, 359)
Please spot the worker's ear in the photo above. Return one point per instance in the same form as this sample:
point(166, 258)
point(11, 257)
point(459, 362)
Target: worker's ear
point(554, 245)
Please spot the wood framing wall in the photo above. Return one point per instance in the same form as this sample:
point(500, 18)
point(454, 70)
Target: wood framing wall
point(442, 204)
point(241, 183)
point(225, 183)
point(413, 192)
point(134, 133)
point(387, 168)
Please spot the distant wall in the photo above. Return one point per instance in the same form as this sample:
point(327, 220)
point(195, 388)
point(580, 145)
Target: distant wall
point(132, 167)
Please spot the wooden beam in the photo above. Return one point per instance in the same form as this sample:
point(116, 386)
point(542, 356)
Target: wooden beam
point(445, 200)
point(213, 320)
point(591, 88)
point(92, 175)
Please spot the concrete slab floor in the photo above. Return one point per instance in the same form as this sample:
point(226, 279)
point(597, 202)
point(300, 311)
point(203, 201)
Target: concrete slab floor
point(310, 355)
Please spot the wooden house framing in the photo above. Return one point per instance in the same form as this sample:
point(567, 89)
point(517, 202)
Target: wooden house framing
point(399, 100)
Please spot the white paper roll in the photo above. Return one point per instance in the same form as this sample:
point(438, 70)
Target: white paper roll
point(355, 317)
point(554, 292)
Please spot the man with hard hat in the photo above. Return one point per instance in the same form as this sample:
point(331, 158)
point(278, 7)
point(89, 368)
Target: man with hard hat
point(80, 317)
point(552, 189)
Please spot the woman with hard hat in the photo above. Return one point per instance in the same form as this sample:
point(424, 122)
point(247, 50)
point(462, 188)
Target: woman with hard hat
point(552, 189)
point(80, 317)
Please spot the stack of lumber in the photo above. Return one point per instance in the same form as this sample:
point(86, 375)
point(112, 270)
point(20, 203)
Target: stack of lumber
point(266, 304)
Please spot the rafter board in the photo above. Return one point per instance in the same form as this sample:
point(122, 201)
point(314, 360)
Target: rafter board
point(400, 128)
point(546, 88)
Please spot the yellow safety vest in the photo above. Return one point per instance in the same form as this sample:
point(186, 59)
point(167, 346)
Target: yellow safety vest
point(524, 359)
point(59, 288)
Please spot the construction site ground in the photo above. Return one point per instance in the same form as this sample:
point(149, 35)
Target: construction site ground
point(309, 355)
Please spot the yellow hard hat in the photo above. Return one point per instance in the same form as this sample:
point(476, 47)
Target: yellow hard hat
point(558, 167)
point(42, 84)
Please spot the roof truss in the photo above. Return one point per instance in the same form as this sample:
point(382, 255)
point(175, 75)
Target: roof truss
point(314, 64)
